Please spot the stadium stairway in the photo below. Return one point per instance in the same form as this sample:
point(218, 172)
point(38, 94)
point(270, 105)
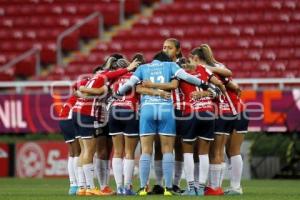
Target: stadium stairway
point(71, 71)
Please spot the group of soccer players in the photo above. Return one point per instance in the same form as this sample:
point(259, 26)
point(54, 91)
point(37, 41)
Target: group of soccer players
point(187, 110)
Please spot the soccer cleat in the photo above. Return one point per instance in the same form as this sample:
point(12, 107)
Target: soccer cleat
point(200, 191)
point(107, 191)
point(233, 191)
point(157, 189)
point(220, 191)
point(120, 191)
point(189, 192)
point(213, 192)
point(93, 191)
point(129, 192)
point(142, 192)
point(81, 192)
point(73, 190)
point(177, 189)
point(168, 192)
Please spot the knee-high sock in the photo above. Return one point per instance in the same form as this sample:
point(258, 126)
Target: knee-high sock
point(88, 170)
point(104, 169)
point(101, 172)
point(97, 170)
point(81, 177)
point(215, 175)
point(203, 169)
point(158, 172)
point(117, 165)
point(128, 172)
point(189, 169)
point(168, 168)
point(196, 174)
point(71, 172)
point(145, 161)
point(236, 171)
point(177, 172)
point(75, 166)
point(223, 170)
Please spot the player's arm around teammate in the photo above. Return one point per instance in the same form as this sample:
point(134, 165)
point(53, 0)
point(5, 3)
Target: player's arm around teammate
point(83, 120)
point(235, 127)
point(153, 92)
point(161, 86)
point(124, 129)
point(84, 117)
point(199, 126)
point(71, 138)
point(162, 90)
point(157, 116)
point(104, 143)
point(217, 146)
point(165, 91)
point(236, 138)
point(172, 47)
point(93, 91)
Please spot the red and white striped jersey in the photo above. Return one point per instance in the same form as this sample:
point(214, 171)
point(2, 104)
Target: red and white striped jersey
point(196, 105)
point(224, 103)
point(90, 106)
point(65, 112)
point(131, 99)
point(178, 99)
point(237, 102)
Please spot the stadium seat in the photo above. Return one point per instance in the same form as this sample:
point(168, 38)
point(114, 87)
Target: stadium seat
point(25, 24)
point(255, 38)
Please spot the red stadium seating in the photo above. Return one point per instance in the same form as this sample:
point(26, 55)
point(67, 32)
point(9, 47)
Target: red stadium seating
point(253, 38)
point(133, 6)
point(257, 37)
point(25, 24)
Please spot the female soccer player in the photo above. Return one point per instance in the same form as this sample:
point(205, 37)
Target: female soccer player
point(200, 126)
point(69, 132)
point(235, 127)
point(233, 146)
point(124, 129)
point(104, 144)
point(172, 47)
point(157, 116)
point(84, 119)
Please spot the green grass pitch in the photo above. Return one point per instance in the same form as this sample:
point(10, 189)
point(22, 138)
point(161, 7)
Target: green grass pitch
point(56, 189)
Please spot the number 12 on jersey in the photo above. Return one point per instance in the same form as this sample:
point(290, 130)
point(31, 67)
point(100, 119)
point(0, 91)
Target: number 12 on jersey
point(159, 79)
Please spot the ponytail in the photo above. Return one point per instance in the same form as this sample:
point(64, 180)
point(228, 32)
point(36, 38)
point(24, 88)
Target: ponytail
point(208, 55)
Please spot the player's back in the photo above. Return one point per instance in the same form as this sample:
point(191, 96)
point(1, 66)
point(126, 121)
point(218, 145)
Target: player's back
point(156, 72)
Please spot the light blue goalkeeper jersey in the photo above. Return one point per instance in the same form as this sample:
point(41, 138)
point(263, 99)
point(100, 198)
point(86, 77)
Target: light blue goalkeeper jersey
point(158, 72)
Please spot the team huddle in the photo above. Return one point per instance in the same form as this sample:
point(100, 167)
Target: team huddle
point(187, 112)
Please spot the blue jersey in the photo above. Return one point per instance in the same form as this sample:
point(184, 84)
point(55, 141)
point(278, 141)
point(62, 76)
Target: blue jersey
point(156, 72)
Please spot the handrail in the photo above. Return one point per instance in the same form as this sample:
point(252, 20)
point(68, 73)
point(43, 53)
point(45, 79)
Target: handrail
point(46, 84)
point(20, 85)
point(166, 1)
point(256, 81)
point(122, 11)
point(23, 56)
point(76, 26)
